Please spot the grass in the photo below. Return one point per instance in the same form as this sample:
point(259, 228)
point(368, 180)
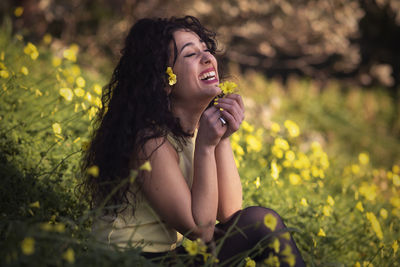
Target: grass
point(322, 156)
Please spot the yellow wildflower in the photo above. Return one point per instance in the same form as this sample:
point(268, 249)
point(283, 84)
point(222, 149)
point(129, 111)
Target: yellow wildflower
point(171, 76)
point(315, 146)
point(97, 89)
point(274, 170)
point(24, 70)
point(93, 171)
point(277, 152)
point(4, 74)
point(359, 206)
point(396, 180)
point(395, 201)
point(275, 127)
point(289, 256)
point(355, 168)
point(80, 81)
point(330, 200)
point(363, 158)
point(145, 166)
point(92, 112)
point(367, 190)
point(79, 92)
point(286, 235)
point(69, 255)
point(281, 143)
point(257, 182)
point(327, 210)
point(56, 61)
point(375, 225)
point(396, 169)
point(47, 38)
point(275, 245)
point(28, 246)
point(18, 11)
point(97, 102)
point(31, 50)
point(321, 232)
point(294, 179)
point(38, 92)
point(250, 262)
point(191, 247)
point(272, 261)
point(228, 87)
point(253, 143)
point(290, 155)
point(270, 221)
point(35, 204)
point(303, 202)
point(305, 174)
point(395, 246)
point(247, 126)
point(46, 227)
point(59, 227)
point(88, 97)
point(292, 128)
point(56, 128)
point(66, 93)
point(357, 264)
point(69, 54)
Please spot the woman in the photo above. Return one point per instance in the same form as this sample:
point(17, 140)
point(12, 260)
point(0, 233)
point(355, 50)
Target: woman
point(157, 109)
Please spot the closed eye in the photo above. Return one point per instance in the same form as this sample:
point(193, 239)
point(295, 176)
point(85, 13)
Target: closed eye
point(191, 54)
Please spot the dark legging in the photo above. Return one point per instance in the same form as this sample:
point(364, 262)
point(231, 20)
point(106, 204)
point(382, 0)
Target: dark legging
point(245, 234)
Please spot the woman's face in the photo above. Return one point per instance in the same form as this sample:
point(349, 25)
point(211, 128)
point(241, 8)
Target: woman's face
point(196, 69)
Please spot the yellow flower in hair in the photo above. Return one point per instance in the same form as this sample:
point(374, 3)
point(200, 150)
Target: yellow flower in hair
point(172, 76)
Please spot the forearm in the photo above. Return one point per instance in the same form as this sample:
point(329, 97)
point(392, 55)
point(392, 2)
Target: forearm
point(229, 184)
point(205, 191)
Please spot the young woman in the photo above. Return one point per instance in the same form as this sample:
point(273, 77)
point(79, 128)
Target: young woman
point(158, 108)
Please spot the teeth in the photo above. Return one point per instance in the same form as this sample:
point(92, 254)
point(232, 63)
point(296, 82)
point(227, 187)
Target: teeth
point(207, 75)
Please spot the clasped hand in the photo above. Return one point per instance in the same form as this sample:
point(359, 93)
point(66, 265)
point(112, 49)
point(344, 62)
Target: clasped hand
point(211, 129)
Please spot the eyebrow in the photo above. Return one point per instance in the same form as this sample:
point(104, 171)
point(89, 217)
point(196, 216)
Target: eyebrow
point(189, 44)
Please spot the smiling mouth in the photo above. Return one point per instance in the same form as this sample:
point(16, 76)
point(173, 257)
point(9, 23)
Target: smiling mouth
point(208, 75)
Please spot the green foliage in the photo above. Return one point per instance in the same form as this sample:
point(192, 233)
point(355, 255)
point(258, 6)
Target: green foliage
point(333, 197)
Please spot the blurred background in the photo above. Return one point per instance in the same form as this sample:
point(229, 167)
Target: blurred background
point(355, 42)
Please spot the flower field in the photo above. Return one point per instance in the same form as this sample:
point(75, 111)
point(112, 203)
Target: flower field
point(321, 156)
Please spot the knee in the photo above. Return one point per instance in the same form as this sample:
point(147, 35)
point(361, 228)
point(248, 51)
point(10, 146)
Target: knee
point(257, 215)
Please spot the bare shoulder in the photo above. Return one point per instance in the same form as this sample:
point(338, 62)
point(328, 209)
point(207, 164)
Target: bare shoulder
point(159, 146)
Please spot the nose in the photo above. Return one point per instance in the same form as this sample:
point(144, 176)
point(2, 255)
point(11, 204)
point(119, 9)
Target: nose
point(206, 57)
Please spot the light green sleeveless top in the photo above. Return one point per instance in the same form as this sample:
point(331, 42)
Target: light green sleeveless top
point(145, 228)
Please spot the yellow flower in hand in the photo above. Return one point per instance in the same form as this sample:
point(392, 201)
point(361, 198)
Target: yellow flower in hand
point(172, 76)
point(228, 87)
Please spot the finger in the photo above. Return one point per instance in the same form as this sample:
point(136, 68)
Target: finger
point(237, 98)
point(232, 122)
point(232, 109)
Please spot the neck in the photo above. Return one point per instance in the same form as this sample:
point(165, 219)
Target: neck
point(189, 114)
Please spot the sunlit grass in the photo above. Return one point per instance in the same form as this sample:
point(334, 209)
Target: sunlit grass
point(322, 157)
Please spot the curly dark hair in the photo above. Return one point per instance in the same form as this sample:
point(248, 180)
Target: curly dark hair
point(135, 107)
